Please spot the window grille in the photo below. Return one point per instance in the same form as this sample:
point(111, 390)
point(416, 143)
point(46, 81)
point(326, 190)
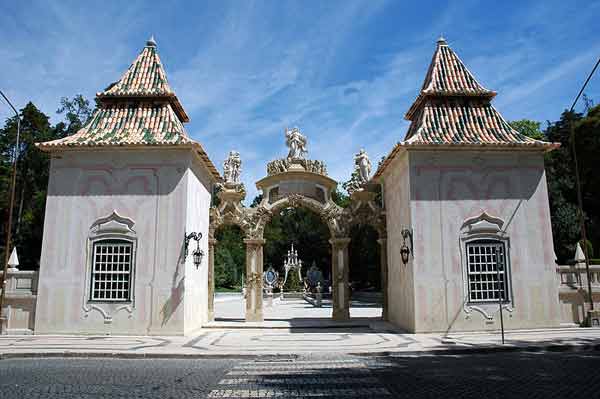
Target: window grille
point(111, 271)
point(487, 271)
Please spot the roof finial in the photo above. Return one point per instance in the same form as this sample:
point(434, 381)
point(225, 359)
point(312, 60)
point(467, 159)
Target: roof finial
point(151, 42)
point(441, 41)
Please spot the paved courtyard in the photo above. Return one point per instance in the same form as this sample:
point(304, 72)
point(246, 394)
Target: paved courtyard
point(500, 375)
point(231, 307)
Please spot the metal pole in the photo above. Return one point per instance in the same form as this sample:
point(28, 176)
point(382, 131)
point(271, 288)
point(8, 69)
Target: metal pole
point(581, 217)
point(10, 211)
point(500, 297)
point(578, 184)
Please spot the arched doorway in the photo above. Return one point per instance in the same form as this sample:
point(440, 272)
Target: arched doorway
point(294, 182)
point(303, 231)
point(362, 211)
point(329, 213)
point(365, 277)
point(229, 270)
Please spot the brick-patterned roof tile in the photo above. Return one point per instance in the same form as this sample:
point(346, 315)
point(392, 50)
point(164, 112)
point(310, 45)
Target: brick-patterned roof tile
point(458, 120)
point(133, 122)
point(145, 77)
point(447, 74)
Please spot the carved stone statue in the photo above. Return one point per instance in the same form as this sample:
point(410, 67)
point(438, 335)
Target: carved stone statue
point(232, 168)
point(362, 164)
point(296, 142)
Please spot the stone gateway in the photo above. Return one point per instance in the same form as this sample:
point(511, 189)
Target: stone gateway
point(462, 216)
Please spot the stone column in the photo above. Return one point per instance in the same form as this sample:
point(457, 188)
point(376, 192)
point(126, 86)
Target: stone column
point(384, 276)
point(254, 274)
point(211, 278)
point(339, 278)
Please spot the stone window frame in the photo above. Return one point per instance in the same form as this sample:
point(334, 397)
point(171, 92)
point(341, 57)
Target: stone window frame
point(485, 228)
point(113, 228)
point(486, 240)
point(112, 242)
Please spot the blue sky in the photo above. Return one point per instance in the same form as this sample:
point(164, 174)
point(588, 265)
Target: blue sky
point(344, 72)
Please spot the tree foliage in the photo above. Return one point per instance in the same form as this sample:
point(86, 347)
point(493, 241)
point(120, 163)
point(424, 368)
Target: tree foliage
point(230, 257)
point(77, 112)
point(529, 128)
point(293, 283)
point(561, 179)
point(365, 261)
point(560, 175)
point(306, 231)
point(32, 176)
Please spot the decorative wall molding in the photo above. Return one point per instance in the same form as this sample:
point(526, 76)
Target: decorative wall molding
point(106, 314)
point(483, 223)
point(113, 226)
point(484, 226)
point(113, 223)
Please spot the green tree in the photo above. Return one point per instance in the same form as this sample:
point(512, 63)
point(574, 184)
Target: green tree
point(293, 283)
point(32, 173)
point(364, 255)
point(529, 128)
point(31, 182)
point(340, 198)
point(230, 257)
point(76, 111)
point(561, 180)
point(306, 231)
point(256, 201)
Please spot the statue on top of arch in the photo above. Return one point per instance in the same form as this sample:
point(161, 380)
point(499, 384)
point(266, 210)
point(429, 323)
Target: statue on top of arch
point(362, 172)
point(296, 142)
point(232, 168)
point(362, 164)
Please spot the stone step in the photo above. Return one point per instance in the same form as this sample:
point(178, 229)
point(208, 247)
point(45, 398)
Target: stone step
point(290, 324)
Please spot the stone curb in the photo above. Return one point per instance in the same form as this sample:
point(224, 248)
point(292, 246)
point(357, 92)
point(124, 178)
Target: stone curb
point(277, 356)
point(484, 350)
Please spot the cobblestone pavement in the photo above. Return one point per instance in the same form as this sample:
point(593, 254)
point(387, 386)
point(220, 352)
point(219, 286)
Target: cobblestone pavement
point(500, 375)
point(109, 378)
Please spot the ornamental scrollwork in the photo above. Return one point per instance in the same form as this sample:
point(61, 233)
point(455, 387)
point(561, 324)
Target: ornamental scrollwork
point(295, 200)
point(253, 279)
point(283, 165)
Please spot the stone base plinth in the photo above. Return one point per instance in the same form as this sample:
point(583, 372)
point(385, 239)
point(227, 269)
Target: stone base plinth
point(341, 314)
point(255, 316)
point(593, 318)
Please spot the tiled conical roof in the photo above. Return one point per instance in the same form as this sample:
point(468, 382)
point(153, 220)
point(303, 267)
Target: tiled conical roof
point(456, 121)
point(140, 109)
point(145, 77)
point(454, 110)
point(448, 76)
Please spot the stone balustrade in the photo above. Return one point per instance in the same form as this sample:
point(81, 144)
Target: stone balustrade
point(18, 313)
point(574, 277)
point(573, 291)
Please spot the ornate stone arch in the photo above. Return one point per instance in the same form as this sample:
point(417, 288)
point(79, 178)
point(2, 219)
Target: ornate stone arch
point(230, 210)
point(365, 210)
point(292, 182)
point(329, 212)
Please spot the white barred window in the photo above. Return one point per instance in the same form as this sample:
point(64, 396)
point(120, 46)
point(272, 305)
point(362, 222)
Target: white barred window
point(111, 270)
point(487, 271)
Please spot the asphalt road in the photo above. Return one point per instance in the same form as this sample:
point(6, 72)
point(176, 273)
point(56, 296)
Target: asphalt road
point(507, 375)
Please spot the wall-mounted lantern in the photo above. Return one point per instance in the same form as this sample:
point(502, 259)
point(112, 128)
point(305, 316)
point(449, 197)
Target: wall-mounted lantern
point(407, 247)
point(198, 254)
